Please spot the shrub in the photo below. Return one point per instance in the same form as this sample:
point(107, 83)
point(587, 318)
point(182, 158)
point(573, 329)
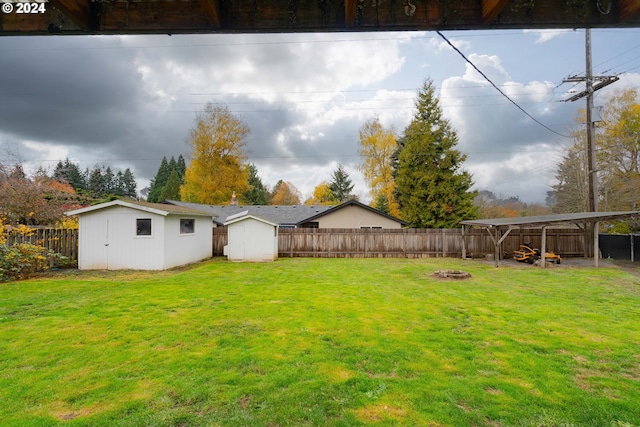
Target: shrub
point(20, 260)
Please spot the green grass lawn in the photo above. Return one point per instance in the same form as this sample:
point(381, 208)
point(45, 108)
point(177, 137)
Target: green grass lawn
point(338, 342)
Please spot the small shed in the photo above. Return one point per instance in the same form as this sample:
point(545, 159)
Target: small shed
point(128, 234)
point(251, 238)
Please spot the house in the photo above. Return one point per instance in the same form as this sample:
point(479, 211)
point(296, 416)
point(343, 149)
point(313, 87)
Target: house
point(350, 214)
point(128, 234)
point(251, 238)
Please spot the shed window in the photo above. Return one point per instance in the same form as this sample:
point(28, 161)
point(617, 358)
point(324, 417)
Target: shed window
point(187, 225)
point(143, 227)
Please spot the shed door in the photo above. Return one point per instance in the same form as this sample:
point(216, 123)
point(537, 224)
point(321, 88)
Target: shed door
point(117, 251)
point(239, 242)
point(106, 244)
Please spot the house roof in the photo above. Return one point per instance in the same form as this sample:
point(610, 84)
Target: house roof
point(352, 203)
point(155, 208)
point(281, 215)
point(244, 215)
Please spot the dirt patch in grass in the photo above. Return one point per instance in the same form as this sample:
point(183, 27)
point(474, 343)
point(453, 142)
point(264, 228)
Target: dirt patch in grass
point(62, 412)
point(373, 413)
point(335, 373)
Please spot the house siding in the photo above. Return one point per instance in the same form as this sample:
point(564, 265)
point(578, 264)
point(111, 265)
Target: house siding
point(186, 248)
point(108, 240)
point(355, 217)
point(252, 240)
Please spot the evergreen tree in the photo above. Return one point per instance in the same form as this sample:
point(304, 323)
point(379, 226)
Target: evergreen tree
point(110, 184)
point(173, 165)
point(171, 190)
point(340, 185)
point(96, 182)
point(119, 188)
point(70, 173)
point(257, 193)
point(128, 184)
point(431, 189)
point(382, 203)
point(159, 181)
point(182, 167)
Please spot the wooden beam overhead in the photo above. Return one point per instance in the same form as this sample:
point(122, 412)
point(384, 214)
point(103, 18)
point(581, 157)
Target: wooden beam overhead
point(350, 12)
point(212, 11)
point(79, 11)
point(628, 8)
point(491, 9)
point(297, 16)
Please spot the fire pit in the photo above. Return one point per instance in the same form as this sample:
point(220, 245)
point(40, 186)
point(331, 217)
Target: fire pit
point(452, 274)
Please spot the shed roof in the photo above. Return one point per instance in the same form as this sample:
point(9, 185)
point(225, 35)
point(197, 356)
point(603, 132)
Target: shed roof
point(244, 215)
point(155, 208)
point(545, 220)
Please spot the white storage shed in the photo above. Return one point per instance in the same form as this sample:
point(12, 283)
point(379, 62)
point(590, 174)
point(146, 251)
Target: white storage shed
point(251, 238)
point(128, 234)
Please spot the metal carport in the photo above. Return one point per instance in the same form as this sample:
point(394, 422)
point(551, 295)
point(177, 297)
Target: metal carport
point(496, 225)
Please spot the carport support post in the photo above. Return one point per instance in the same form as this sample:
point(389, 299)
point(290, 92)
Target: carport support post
point(543, 248)
point(496, 248)
point(464, 246)
point(497, 242)
point(596, 248)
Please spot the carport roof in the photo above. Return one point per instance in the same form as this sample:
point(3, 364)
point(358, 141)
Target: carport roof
point(546, 220)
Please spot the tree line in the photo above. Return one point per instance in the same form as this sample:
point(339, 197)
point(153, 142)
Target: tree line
point(418, 177)
point(617, 143)
point(43, 198)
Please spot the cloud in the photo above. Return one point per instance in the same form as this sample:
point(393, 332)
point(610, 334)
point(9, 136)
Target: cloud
point(508, 152)
point(438, 45)
point(546, 35)
point(127, 101)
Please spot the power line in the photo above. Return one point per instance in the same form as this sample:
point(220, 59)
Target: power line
point(498, 89)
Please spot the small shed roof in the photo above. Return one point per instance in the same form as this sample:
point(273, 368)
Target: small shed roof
point(155, 208)
point(244, 215)
point(545, 220)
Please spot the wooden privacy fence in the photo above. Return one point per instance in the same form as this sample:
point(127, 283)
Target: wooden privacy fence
point(59, 240)
point(361, 243)
point(408, 242)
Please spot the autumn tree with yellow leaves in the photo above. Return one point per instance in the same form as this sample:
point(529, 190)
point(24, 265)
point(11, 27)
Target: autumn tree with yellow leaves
point(322, 195)
point(618, 159)
point(217, 166)
point(285, 194)
point(377, 145)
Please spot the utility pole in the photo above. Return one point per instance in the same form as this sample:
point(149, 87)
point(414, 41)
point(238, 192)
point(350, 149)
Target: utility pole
point(591, 146)
point(588, 92)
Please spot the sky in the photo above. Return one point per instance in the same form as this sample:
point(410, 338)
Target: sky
point(127, 101)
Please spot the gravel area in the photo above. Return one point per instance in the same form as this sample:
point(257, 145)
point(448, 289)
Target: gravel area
point(576, 262)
